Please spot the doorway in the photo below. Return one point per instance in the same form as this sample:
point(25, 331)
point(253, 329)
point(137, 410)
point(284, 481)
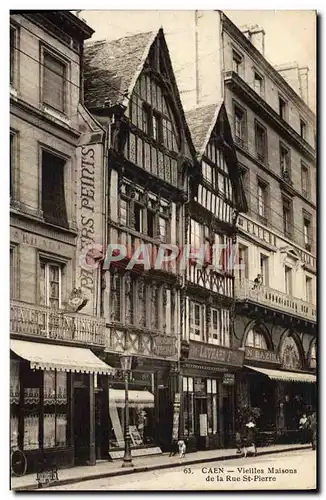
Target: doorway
point(82, 425)
point(201, 422)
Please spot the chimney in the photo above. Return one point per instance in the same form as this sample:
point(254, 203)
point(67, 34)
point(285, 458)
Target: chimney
point(256, 35)
point(303, 78)
point(296, 77)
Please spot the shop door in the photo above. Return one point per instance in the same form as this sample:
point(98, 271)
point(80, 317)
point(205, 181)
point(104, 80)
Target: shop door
point(82, 425)
point(164, 424)
point(201, 423)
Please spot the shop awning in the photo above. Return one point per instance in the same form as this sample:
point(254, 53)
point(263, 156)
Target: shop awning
point(135, 398)
point(58, 357)
point(283, 375)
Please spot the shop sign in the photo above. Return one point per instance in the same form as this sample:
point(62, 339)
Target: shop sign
point(164, 346)
point(176, 416)
point(228, 379)
point(261, 355)
point(215, 354)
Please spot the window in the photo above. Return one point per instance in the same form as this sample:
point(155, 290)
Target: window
point(313, 356)
point(207, 172)
point(305, 184)
point(243, 262)
point(309, 297)
point(115, 297)
point(196, 321)
point(256, 338)
point(162, 224)
point(151, 223)
point(239, 125)
point(146, 118)
point(258, 83)
point(264, 269)
point(285, 161)
point(237, 62)
point(13, 51)
point(50, 284)
point(288, 280)
point(188, 406)
point(262, 199)
point(157, 127)
point(196, 238)
point(53, 192)
point(54, 77)
point(303, 129)
point(138, 217)
point(12, 273)
point(55, 409)
point(212, 392)
point(307, 233)
point(215, 335)
point(12, 165)
point(287, 217)
point(124, 211)
point(282, 106)
point(261, 142)
point(219, 331)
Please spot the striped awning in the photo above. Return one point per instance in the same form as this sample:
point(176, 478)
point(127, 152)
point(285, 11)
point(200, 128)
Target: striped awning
point(59, 357)
point(135, 398)
point(284, 375)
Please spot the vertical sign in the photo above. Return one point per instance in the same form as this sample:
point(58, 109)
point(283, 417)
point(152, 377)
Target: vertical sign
point(89, 218)
point(176, 417)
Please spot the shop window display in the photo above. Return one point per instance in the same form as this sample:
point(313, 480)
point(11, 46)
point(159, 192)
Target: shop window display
point(14, 403)
point(212, 406)
point(141, 420)
point(55, 409)
point(188, 406)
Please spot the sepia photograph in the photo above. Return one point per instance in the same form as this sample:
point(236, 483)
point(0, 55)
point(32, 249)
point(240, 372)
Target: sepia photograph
point(163, 241)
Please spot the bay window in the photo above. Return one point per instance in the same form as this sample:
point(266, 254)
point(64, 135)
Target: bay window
point(196, 321)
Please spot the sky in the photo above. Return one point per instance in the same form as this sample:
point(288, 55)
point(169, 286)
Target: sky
point(289, 34)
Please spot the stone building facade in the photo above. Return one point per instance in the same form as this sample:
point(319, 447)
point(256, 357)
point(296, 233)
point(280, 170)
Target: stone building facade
point(52, 388)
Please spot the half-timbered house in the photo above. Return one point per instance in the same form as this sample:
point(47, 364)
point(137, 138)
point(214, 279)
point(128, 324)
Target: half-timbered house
point(209, 360)
point(131, 89)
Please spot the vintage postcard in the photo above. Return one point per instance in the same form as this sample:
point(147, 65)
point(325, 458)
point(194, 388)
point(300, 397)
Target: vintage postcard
point(163, 250)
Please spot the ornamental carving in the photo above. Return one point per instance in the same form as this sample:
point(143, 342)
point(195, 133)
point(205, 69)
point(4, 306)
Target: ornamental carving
point(290, 354)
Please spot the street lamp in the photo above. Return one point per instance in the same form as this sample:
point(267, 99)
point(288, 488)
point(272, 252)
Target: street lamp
point(126, 361)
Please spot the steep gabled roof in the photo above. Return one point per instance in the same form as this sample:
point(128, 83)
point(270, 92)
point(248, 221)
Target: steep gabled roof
point(112, 68)
point(201, 122)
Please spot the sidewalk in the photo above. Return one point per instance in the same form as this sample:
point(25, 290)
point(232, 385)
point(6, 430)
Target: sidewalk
point(141, 464)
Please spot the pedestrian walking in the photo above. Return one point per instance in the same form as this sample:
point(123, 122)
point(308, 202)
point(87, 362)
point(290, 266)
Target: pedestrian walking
point(312, 424)
point(304, 428)
point(249, 438)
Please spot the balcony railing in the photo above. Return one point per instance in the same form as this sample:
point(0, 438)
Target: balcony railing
point(39, 321)
point(260, 294)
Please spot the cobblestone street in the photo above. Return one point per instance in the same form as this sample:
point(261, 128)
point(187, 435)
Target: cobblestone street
point(255, 473)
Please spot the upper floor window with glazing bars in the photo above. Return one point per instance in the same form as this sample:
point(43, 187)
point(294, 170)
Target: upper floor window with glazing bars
point(240, 125)
point(261, 142)
point(54, 82)
point(258, 83)
point(282, 108)
point(303, 129)
point(237, 62)
point(13, 54)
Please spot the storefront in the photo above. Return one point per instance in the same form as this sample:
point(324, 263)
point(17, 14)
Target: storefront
point(150, 411)
point(277, 384)
point(52, 402)
point(208, 396)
